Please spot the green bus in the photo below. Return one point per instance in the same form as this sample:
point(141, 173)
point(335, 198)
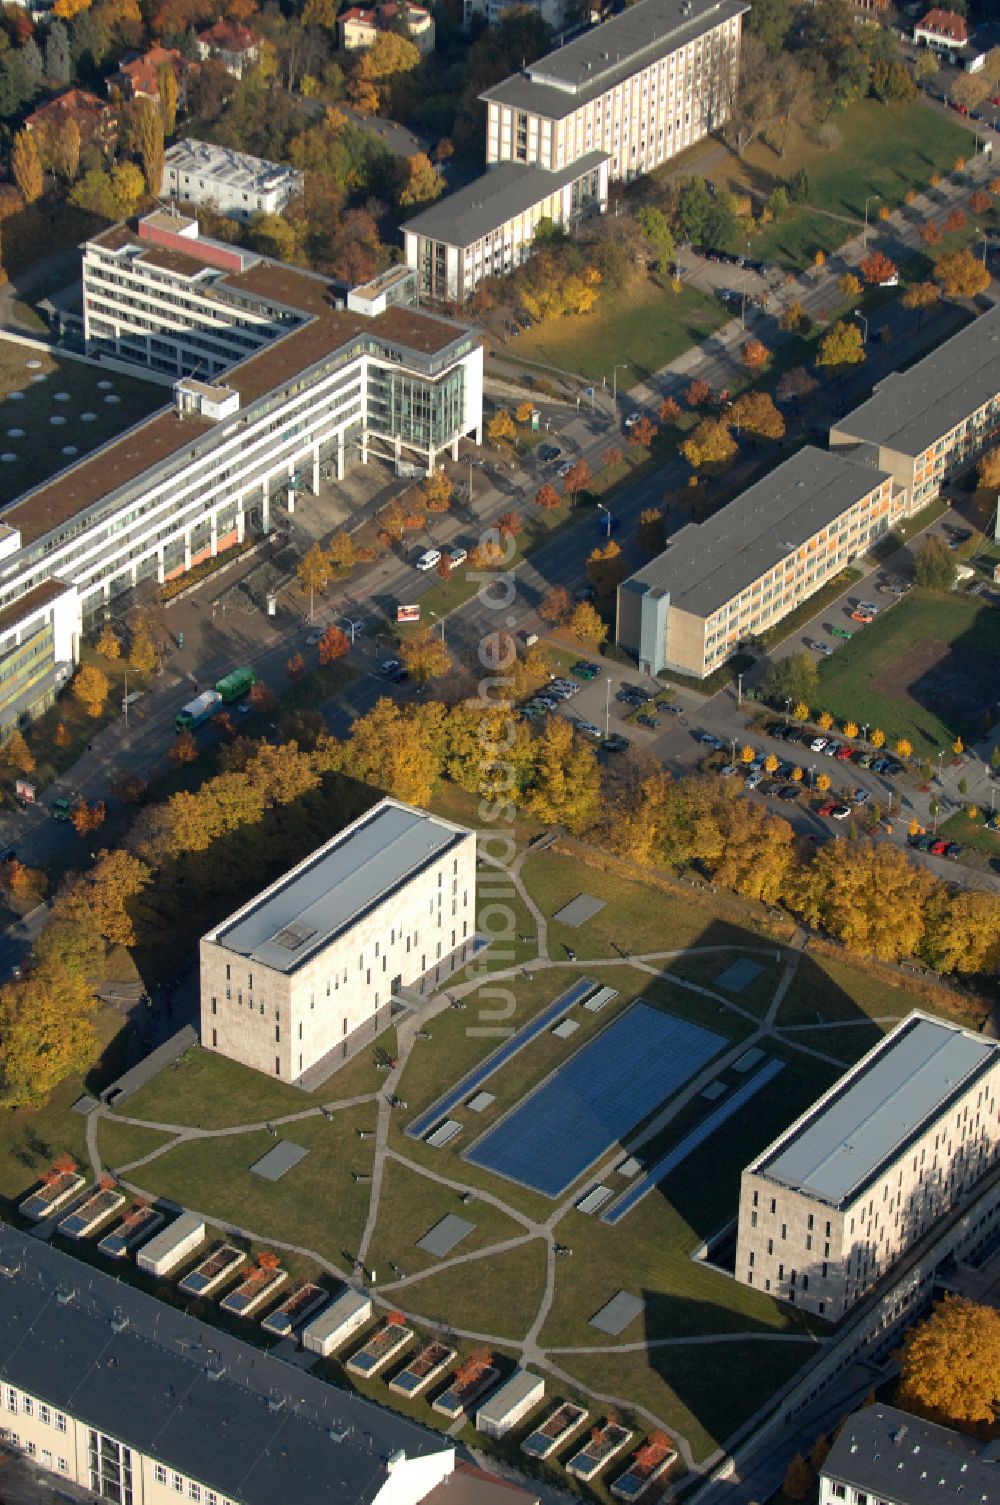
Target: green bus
point(235, 685)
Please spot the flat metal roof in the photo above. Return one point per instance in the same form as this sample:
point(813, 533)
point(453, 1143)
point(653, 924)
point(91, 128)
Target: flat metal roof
point(502, 193)
point(894, 1455)
point(239, 1421)
point(595, 62)
point(905, 1082)
point(238, 170)
point(707, 564)
point(360, 867)
point(912, 409)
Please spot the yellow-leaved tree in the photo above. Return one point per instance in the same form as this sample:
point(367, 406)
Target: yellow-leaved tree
point(47, 1032)
point(950, 1368)
point(566, 789)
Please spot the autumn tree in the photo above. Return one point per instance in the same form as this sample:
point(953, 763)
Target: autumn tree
point(66, 150)
point(26, 167)
point(798, 1478)
point(166, 86)
point(756, 413)
point(921, 296)
point(710, 443)
point(950, 1364)
point(606, 567)
point(870, 897)
point(755, 354)
point(108, 644)
point(959, 274)
point(758, 853)
point(149, 132)
point(795, 320)
point(295, 668)
point(142, 654)
point(556, 605)
point(576, 479)
point(91, 687)
point(183, 749)
point(963, 932)
point(333, 645)
point(547, 497)
point(841, 346)
point(436, 492)
point(567, 784)
point(86, 818)
point(425, 655)
point(669, 410)
point(501, 431)
point(930, 234)
point(341, 553)
point(312, 572)
point(980, 202)
point(16, 753)
point(422, 182)
point(509, 523)
point(697, 393)
point(651, 533)
point(876, 268)
point(988, 473)
point(397, 750)
point(955, 221)
point(643, 432)
point(106, 897)
point(796, 384)
point(585, 623)
point(46, 1025)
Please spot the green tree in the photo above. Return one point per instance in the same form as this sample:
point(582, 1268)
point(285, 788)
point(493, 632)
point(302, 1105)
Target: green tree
point(771, 21)
point(166, 83)
point(655, 227)
point(794, 678)
point(934, 566)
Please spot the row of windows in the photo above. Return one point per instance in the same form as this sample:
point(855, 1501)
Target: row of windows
point(15, 1401)
point(184, 1486)
point(43, 1455)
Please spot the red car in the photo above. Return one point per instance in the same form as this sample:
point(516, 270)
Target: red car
point(962, 109)
point(843, 753)
point(938, 847)
point(827, 808)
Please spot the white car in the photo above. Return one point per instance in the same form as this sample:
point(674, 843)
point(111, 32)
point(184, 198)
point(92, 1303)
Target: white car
point(632, 420)
point(753, 779)
point(428, 559)
point(817, 744)
point(457, 556)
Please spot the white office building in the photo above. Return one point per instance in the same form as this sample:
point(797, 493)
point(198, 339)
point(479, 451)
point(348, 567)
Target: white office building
point(865, 1172)
point(304, 975)
point(313, 384)
point(233, 182)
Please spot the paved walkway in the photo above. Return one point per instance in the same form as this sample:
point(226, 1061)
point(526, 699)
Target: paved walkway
point(404, 1293)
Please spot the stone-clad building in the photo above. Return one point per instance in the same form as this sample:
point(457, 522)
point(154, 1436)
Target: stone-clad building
point(299, 978)
point(864, 1173)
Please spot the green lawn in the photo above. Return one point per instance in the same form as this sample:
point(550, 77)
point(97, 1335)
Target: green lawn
point(497, 1294)
point(207, 1091)
point(883, 150)
point(926, 670)
point(410, 1204)
point(829, 992)
point(119, 1144)
point(971, 833)
point(642, 324)
point(317, 1204)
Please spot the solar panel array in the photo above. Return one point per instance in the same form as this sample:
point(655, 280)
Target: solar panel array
point(602, 1092)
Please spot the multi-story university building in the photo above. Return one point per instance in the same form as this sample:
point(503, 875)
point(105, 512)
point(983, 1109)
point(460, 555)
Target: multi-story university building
point(313, 383)
point(304, 975)
point(722, 582)
point(107, 1388)
point(883, 1456)
point(864, 1173)
point(924, 424)
point(615, 102)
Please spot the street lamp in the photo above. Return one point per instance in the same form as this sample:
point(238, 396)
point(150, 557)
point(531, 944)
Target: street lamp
point(876, 197)
point(622, 366)
point(608, 514)
point(788, 707)
point(438, 619)
point(985, 236)
point(812, 776)
point(607, 705)
point(864, 332)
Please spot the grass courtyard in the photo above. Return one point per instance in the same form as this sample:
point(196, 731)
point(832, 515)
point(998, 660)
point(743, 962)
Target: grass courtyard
point(27, 431)
point(927, 669)
point(650, 324)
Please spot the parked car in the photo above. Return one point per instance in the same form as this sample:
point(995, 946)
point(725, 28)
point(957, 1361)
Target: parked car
point(939, 847)
point(953, 850)
point(428, 559)
point(707, 739)
point(789, 792)
point(631, 421)
point(866, 760)
point(669, 707)
point(727, 770)
point(389, 666)
point(616, 743)
point(314, 638)
point(841, 632)
point(860, 797)
point(832, 749)
point(754, 778)
point(588, 728)
point(823, 648)
point(921, 843)
point(864, 617)
point(584, 593)
point(352, 626)
point(548, 452)
point(457, 556)
point(827, 807)
point(583, 669)
point(868, 606)
point(817, 744)
point(646, 720)
point(840, 812)
point(563, 470)
point(843, 753)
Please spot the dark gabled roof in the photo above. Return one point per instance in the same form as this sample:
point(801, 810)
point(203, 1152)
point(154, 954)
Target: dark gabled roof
point(894, 1456)
point(912, 409)
point(506, 190)
point(604, 56)
point(262, 1432)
